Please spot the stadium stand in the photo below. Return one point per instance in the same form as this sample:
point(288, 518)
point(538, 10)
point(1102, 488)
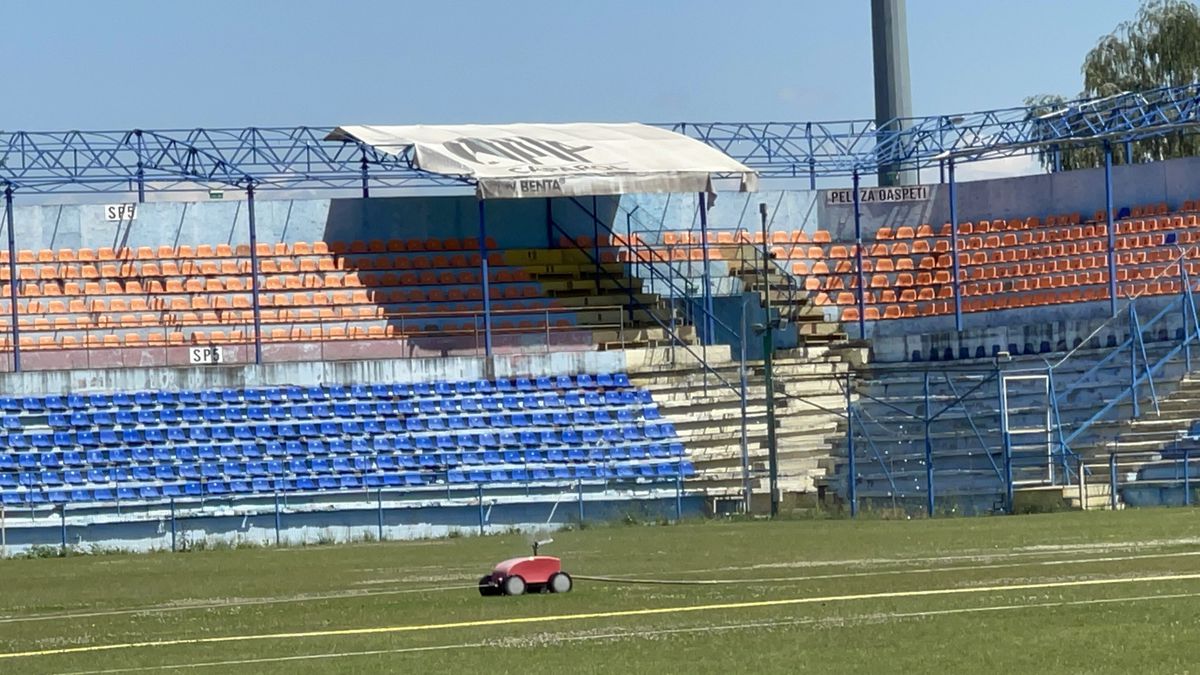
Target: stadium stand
point(153, 445)
point(314, 291)
point(1004, 263)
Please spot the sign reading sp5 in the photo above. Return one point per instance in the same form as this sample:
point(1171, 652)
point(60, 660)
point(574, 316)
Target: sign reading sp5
point(114, 212)
point(205, 355)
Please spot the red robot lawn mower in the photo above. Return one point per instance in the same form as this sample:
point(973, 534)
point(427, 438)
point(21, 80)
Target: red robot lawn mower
point(530, 574)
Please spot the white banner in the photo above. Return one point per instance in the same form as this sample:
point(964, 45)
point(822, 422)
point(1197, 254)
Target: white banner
point(509, 161)
point(879, 195)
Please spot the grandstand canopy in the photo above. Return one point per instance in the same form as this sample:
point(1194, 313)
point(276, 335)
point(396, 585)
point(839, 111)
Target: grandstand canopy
point(513, 161)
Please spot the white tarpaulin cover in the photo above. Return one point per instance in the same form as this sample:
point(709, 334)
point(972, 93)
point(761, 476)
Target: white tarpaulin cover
point(558, 160)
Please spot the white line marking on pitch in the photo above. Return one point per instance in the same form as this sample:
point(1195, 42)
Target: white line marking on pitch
point(355, 594)
point(412, 628)
point(340, 595)
point(642, 634)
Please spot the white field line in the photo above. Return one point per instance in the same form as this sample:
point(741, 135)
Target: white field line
point(654, 611)
point(353, 594)
point(642, 634)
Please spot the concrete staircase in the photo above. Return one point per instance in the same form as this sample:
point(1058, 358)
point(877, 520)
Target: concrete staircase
point(1137, 441)
point(787, 294)
point(706, 409)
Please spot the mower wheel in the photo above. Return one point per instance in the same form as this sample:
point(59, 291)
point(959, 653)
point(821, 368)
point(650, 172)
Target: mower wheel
point(486, 589)
point(560, 582)
point(513, 585)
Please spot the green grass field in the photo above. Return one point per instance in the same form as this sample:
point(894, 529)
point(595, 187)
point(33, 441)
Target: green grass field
point(941, 596)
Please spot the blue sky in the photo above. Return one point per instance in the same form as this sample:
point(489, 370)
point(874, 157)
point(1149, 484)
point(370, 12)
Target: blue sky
point(88, 64)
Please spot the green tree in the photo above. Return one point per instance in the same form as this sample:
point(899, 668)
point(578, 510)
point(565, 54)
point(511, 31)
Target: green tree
point(1160, 47)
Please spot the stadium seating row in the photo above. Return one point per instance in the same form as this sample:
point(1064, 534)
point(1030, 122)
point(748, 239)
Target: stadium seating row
point(153, 445)
point(1003, 263)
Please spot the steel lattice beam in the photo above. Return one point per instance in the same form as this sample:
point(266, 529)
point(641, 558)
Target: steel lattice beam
point(99, 162)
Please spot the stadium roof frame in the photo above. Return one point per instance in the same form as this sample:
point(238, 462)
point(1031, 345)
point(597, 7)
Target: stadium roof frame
point(145, 161)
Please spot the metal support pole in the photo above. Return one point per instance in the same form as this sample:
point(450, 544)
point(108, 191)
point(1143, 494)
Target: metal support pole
point(746, 490)
point(596, 243)
point(851, 466)
point(12, 277)
point(1135, 338)
point(141, 183)
point(62, 526)
point(678, 498)
point(254, 299)
point(769, 373)
point(379, 511)
point(1112, 480)
point(579, 498)
point(1128, 152)
point(366, 179)
point(860, 292)
point(706, 273)
point(812, 160)
point(929, 497)
point(1005, 443)
point(487, 287)
point(1111, 227)
point(173, 526)
point(1187, 479)
point(277, 519)
point(954, 268)
point(1184, 302)
point(482, 515)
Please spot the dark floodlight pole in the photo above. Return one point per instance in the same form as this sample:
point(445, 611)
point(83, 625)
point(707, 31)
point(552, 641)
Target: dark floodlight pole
point(12, 277)
point(768, 368)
